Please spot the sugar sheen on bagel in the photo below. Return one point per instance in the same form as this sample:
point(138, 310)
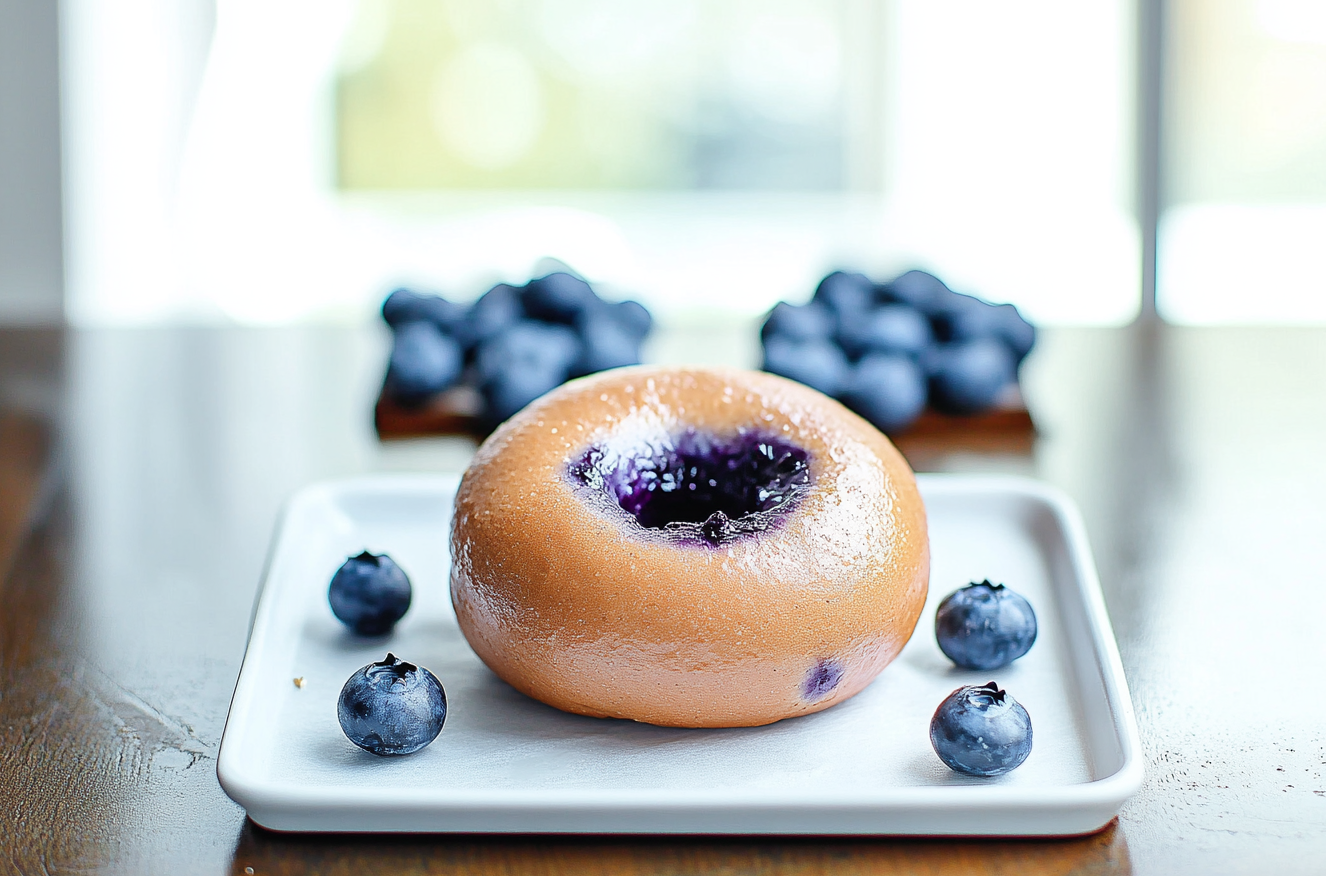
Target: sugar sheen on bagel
point(690, 547)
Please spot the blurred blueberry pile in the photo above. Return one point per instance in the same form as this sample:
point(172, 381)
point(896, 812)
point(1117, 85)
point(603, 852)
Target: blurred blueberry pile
point(513, 344)
point(886, 350)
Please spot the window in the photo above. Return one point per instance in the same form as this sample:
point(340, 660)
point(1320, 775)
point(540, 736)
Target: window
point(1245, 168)
point(704, 155)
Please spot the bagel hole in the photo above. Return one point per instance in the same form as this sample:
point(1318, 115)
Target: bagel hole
point(703, 487)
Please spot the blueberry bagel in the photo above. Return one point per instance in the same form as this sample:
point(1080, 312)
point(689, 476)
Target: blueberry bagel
point(689, 547)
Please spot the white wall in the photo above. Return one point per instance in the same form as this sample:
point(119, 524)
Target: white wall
point(131, 73)
point(31, 278)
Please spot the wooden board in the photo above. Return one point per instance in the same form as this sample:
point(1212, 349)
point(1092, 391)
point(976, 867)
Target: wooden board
point(1006, 428)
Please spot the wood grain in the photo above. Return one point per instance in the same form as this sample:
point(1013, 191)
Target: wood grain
point(24, 445)
point(1194, 454)
point(287, 855)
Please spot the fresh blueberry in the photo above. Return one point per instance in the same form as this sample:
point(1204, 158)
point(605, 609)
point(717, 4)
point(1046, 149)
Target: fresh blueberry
point(424, 362)
point(893, 328)
point(529, 345)
point(847, 294)
point(511, 388)
point(369, 593)
point(522, 363)
point(819, 364)
point(969, 377)
point(966, 318)
point(558, 297)
point(404, 305)
point(985, 626)
point(918, 289)
point(606, 343)
point(981, 731)
point(495, 310)
point(1015, 331)
point(887, 389)
point(794, 322)
point(634, 317)
point(392, 707)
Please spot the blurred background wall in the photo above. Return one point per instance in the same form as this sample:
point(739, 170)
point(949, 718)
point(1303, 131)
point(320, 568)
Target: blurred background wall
point(31, 276)
point(704, 157)
point(261, 161)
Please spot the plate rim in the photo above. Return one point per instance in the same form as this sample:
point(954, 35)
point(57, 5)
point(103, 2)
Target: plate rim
point(262, 800)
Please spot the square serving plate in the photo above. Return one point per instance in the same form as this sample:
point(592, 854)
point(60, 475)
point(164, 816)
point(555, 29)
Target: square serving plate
point(505, 763)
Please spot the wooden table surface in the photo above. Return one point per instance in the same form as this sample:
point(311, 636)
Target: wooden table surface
point(141, 472)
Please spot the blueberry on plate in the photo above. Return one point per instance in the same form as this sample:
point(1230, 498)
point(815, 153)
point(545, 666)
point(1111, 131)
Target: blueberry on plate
point(892, 328)
point(847, 294)
point(369, 593)
point(558, 297)
point(981, 731)
point(423, 362)
point(392, 707)
point(804, 322)
point(985, 626)
point(969, 377)
point(889, 390)
point(819, 364)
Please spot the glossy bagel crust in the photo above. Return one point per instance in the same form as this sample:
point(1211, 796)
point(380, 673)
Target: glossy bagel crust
point(581, 607)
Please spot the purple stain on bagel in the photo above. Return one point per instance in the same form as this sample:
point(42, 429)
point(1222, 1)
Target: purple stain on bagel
point(697, 487)
point(821, 680)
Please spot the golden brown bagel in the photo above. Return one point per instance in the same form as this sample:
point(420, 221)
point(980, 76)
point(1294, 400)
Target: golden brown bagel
point(569, 598)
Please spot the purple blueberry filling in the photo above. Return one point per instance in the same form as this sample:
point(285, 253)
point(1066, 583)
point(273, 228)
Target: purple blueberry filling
point(698, 487)
point(821, 680)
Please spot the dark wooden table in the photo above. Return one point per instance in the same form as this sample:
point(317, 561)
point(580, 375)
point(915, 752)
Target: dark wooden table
point(140, 476)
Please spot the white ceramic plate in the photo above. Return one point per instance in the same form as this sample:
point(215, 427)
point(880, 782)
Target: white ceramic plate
point(506, 763)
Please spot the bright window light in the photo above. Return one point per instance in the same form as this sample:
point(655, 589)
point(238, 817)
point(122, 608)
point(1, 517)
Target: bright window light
point(705, 157)
point(1246, 129)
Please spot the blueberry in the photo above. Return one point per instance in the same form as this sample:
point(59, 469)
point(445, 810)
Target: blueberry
point(404, 305)
point(511, 388)
point(846, 294)
point(558, 297)
point(606, 344)
point(966, 318)
point(522, 363)
point(369, 593)
point(1015, 331)
point(819, 364)
point(632, 316)
point(798, 322)
point(968, 377)
point(529, 345)
point(985, 626)
point(893, 328)
point(889, 390)
point(424, 362)
point(392, 707)
point(495, 310)
point(918, 289)
point(981, 731)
